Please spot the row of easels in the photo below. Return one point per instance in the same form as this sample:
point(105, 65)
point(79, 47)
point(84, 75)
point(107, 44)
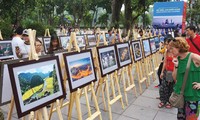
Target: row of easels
point(43, 112)
point(110, 86)
point(76, 95)
point(147, 67)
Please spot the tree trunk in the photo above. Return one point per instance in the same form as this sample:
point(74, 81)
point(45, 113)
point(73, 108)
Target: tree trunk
point(128, 15)
point(116, 9)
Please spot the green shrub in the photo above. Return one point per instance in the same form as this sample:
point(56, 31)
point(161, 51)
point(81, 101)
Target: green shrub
point(39, 27)
point(6, 29)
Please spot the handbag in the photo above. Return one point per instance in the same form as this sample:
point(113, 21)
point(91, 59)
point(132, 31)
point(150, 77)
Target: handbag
point(177, 100)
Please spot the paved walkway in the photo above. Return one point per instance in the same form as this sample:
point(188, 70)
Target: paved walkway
point(143, 107)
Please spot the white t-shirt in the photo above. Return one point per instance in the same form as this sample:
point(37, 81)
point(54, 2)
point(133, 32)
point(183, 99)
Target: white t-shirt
point(24, 49)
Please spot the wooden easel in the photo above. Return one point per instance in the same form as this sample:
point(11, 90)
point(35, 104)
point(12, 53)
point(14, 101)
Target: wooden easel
point(140, 70)
point(72, 44)
point(99, 87)
point(104, 80)
point(32, 55)
point(128, 81)
point(47, 33)
point(115, 97)
point(149, 64)
point(127, 78)
point(75, 96)
point(1, 38)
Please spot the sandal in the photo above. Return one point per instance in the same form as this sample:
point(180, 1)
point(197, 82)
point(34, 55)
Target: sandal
point(168, 105)
point(161, 104)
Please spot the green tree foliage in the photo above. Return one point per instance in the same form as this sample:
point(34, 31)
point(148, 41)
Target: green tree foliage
point(103, 20)
point(36, 80)
point(193, 14)
point(40, 14)
point(6, 29)
point(55, 80)
point(138, 7)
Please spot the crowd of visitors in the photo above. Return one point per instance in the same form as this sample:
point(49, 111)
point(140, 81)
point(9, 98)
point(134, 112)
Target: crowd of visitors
point(172, 69)
point(176, 52)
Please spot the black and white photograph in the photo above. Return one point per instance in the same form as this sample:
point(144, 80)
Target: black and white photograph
point(108, 59)
point(46, 41)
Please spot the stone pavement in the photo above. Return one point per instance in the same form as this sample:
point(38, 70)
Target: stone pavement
point(143, 107)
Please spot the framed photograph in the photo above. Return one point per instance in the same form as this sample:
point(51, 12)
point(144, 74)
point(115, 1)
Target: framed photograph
point(6, 49)
point(92, 40)
point(157, 41)
point(152, 45)
point(46, 43)
point(5, 84)
point(36, 83)
point(123, 54)
point(146, 47)
point(101, 37)
point(80, 40)
point(107, 59)
point(107, 35)
point(64, 41)
point(80, 69)
point(137, 50)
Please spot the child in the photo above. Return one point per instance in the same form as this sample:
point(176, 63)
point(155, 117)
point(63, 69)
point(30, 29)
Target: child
point(167, 83)
point(54, 44)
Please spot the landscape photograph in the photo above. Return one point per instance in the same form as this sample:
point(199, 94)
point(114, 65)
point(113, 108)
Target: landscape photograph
point(37, 83)
point(80, 68)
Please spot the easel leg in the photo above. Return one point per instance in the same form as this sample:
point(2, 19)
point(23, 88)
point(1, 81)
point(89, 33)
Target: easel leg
point(132, 78)
point(119, 91)
point(70, 107)
point(124, 86)
point(11, 108)
point(31, 116)
point(45, 112)
point(95, 100)
point(100, 88)
point(51, 110)
point(78, 106)
point(39, 115)
point(87, 102)
point(108, 97)
point(58, 110)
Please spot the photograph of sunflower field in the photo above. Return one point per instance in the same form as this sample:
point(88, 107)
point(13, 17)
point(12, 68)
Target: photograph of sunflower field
point(37, 83)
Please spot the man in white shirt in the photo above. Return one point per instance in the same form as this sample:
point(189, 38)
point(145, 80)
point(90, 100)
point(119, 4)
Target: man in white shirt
point(25, 50)
point(17, 43)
